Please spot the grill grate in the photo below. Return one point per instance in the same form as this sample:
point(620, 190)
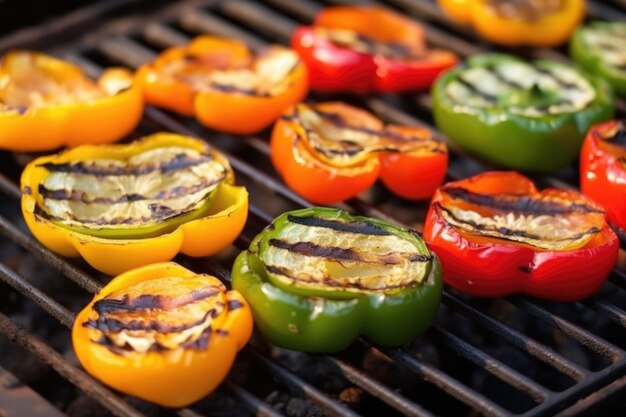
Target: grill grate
point(134, 39)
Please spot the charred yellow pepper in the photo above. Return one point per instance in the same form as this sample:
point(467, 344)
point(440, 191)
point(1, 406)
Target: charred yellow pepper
point(162, 333)
point(47, 103)
point(519, 22)
point(123, 206)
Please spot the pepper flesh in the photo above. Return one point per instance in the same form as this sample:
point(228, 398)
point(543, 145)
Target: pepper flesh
point(600, 48)
point(330, 152)
point(363, 49)
point(318, 278)
point(603, 170)
point(518, 22)
point(224, 84)
point(525, 116)
point(496, 235)
point(162, 333)
point(46, 103)
point(68, 215)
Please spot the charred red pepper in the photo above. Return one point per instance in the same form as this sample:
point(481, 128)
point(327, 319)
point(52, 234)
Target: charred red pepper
point(363, 49)
point(603, 170)
point(496, 234)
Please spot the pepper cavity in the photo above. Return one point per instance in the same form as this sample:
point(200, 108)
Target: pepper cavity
point(333, 254)
point(144, 190)
point(550, 221)
point(160, 315)
point(532, 90)
point(344, 136)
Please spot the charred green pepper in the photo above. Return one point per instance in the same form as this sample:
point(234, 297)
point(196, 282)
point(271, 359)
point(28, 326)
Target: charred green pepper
point(600, 48)
point(521, 115)
point(318, 278)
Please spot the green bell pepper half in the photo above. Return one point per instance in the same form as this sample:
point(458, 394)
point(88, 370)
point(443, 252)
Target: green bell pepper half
point(323, 319)
point(600, 48)
point(519, 126)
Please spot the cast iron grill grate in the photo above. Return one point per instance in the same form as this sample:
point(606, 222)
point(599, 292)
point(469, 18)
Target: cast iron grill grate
point(513, 356)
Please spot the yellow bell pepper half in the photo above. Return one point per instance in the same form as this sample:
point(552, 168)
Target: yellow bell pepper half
point(162, 333)
point(111, 247)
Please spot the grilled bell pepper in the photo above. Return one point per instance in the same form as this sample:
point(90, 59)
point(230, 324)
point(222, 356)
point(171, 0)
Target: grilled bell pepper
point(603, 170)
point(526, 116)
point(330, 152)
point(496, 234)
point(123, 206)
point(162, 333)
point(600, 48)
point(46, 103)
point(518, 22)
point(224, 84)
point(363, 49)
point(317, 278)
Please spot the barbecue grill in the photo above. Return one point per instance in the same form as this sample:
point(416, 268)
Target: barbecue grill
point(503, 357)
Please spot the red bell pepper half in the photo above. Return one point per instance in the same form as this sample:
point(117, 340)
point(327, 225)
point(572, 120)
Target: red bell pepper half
point(496, 234)
point(603, 170)
point(364, 49)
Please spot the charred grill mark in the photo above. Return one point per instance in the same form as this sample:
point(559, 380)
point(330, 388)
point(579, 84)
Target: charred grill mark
point(179, 162)
point(344, 254)
point(493, 69)
point(172, 193)
point(111, 325)
point(475, 90)
point(328, 281)
point(518, 204)
point(234, 305)
point(359, 227)
point(506, 233)
point(561, 82)
point(232, 89)
point(151, 302)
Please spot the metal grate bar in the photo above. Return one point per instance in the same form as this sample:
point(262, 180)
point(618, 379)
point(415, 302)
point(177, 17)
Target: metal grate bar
point(495, 367)
point(259, 408)
point(609, 310)
point(400, 403)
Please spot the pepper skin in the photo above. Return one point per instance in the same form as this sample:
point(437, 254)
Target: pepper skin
point(330, 152)
point(47, 103)
point(497, 235)
point(517, 114)
point(603, 170)
point(318, 278)
point(600, 48)
point(224, 84)
point(516, 23)
point(162, 333)
point(365, 49)
point(100, 212)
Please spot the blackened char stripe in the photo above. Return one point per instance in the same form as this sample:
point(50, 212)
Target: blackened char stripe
point(151, 302)
point(556, 79)
point(505, 233)
point(345, 254)
point(111, 325)
point(488, 97)
point(518, 204)
point(179, 162)
point(358, 227)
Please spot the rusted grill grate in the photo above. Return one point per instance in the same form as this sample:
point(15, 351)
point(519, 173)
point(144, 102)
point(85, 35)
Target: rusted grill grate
point(511, 332)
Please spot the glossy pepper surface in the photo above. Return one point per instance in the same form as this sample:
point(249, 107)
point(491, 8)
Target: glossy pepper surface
point(318, 278)
point(224, 84)
point(530, 116)
point(603, 170)
point(162, 333)
point(123, 206)
point(330, 152)
point(600, 48)
point(47, 103)
point(518, 22)
point(496, 235)
point(364, 49)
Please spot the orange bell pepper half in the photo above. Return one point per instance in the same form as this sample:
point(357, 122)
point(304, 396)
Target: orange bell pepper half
point(331, 152)
point(47, 103)
point(162, 333)
point(224, 84)
point(124, 206)
point(525, 22)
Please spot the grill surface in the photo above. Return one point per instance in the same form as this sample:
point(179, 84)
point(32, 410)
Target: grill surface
point(513, 356)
